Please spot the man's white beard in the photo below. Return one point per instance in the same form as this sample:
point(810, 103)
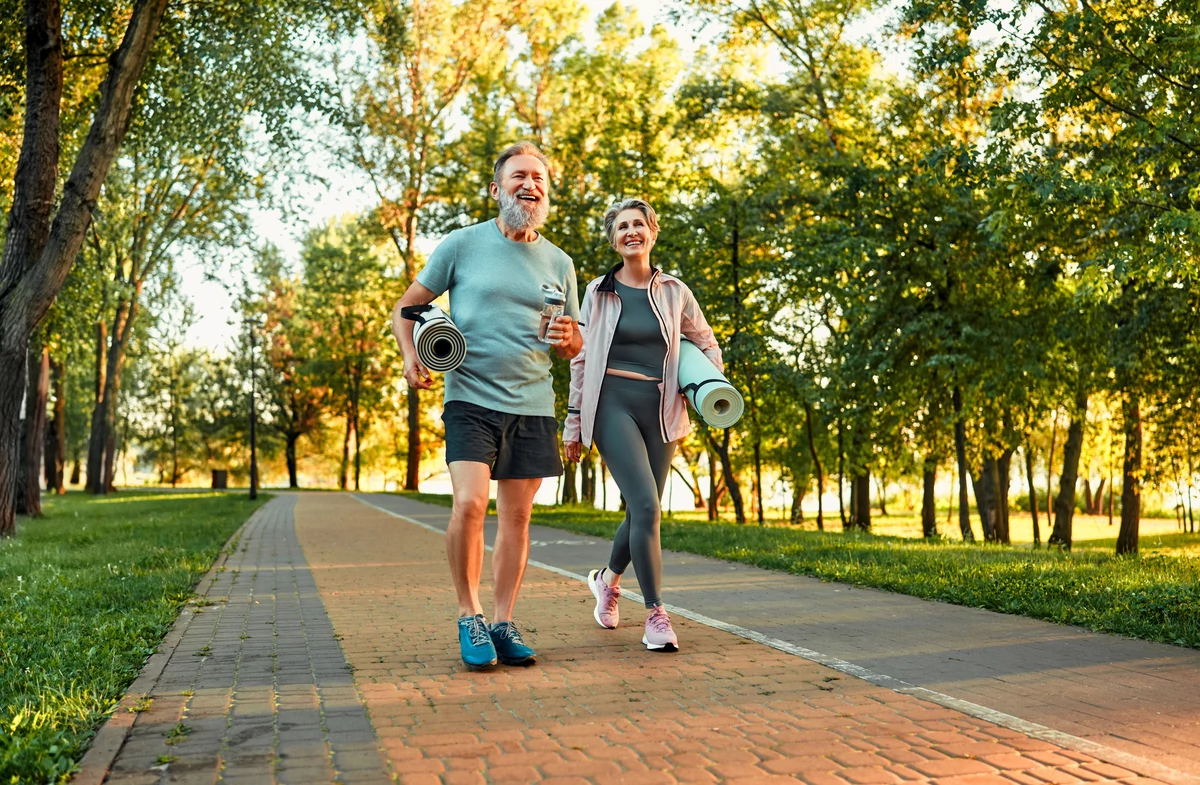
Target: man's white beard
point(523, 216)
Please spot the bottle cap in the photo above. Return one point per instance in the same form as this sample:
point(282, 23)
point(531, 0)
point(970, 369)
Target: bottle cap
point(553, 296)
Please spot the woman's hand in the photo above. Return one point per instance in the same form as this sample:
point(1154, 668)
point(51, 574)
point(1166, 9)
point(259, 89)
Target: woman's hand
point(574, 451)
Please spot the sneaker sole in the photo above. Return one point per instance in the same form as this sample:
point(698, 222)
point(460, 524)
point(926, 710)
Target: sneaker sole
point(518, 663)
point(663, 647)
point(487, 666)
point(596, 594)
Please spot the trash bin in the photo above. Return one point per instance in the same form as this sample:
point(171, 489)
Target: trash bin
point(220, 479)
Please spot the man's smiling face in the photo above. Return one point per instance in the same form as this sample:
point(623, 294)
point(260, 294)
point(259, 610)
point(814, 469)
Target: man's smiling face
point(523, 192)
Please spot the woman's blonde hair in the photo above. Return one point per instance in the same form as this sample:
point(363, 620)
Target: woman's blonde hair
point(610, 217)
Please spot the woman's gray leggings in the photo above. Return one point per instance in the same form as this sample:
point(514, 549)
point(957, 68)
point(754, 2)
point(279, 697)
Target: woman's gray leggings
point(630, 441)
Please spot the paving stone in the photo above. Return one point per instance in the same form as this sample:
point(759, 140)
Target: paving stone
point(721, 710)
point(253, 710)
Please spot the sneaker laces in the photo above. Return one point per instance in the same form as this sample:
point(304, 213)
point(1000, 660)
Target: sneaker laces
point(506, 629)
point(610, 593)
point(658, 620)
point(477, 629)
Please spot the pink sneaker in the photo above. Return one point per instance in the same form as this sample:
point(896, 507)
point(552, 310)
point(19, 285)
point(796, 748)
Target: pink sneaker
point(659, 635)
point(607, 614)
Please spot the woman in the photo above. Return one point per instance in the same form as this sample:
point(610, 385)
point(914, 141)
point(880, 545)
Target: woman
point(625, 397)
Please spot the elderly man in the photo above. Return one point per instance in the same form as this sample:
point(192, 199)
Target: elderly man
point(499, 410)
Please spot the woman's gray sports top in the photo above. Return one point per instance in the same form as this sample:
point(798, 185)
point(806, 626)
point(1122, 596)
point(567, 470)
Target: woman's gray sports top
point(637, 343)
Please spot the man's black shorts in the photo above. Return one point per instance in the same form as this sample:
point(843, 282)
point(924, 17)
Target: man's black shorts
point(516, 446)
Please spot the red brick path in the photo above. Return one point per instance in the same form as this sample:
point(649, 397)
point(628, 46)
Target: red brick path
point(598, 708)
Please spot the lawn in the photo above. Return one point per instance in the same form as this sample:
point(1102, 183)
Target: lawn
point(86, 594)
point(1155, 596)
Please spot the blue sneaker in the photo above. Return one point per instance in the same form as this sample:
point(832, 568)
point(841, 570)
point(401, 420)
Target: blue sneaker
point(509, 646)
point(476, 645)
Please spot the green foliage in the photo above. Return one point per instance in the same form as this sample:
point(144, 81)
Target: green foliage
point(86, 594)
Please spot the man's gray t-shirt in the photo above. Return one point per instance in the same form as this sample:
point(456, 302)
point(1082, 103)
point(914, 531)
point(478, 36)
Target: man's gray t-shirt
point(496, 297)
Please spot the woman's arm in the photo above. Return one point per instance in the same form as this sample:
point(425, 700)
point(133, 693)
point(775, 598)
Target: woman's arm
point(571, 429)
point(695, 328)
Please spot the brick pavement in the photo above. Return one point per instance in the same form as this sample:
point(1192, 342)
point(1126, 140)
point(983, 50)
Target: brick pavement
point(257, 689)
point(1133, 698)
point(599, 708)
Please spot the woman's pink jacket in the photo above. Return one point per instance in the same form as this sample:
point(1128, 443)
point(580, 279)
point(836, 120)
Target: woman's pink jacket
point(679, 316)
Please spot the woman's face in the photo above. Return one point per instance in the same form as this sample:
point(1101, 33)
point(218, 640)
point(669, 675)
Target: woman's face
point(632, 236)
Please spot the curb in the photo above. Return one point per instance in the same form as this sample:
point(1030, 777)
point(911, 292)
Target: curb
point(98, 760)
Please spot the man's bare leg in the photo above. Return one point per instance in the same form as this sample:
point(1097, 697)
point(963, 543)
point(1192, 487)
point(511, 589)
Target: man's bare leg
point(514, 503)
point(464, 535)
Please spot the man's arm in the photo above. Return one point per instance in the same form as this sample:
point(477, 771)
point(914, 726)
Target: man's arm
point(414, 372)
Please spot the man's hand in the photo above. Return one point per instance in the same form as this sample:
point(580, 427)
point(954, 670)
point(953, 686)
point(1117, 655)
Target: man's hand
point(417, 375)
point(567, 340)
point(574, 451)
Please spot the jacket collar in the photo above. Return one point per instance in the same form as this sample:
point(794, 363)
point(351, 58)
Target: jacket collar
point(607, 285)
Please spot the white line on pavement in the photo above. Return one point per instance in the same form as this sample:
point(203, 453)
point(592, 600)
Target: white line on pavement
point(1103, 752)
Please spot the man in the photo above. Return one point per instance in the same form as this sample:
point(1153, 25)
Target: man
point(499, 410)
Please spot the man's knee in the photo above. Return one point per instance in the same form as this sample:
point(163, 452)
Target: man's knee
point(470, 511)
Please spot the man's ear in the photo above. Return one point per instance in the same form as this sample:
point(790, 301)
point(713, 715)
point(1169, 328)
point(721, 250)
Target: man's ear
point(494, 190)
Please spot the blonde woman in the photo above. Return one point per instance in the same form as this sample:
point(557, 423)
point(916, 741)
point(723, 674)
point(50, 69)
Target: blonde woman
point(625, 397)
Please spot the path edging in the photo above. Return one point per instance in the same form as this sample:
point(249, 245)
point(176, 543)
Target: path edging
point(106, 744)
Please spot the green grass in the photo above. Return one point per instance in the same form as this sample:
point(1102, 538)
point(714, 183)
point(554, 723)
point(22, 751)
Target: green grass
point(86, 594)
point(1154, 597)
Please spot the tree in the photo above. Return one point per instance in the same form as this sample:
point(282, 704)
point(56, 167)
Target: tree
point(39, 248)
point(394, 102)
point(345, 301)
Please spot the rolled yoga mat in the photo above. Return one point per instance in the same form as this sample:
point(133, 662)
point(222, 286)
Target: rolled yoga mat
point(707, 389)
point(440, 345)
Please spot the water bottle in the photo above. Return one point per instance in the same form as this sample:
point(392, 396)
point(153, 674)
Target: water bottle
point(553, 302)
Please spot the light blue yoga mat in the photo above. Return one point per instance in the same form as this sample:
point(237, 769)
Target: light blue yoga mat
point(707, 389)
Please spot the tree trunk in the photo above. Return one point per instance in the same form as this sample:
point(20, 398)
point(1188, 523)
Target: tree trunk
point(1131, 489)
point(758, 491)
point(960, 452)
point(841, 475)
point(1064, 504)
point(1050, 466)
point(570, 495)
point(880, 486)
point(797, 512)
point(357, 448)
point(587, 479)
point(1098, 499)
point(343, 477)
point(34, 263)
point(928, 500)
point(812, 449)
point(35, 427)
point(76, 471)
point(985, 499)
point(1003, 477)
point(56, 434)
point(1087, 495)
point(712, 484)
point(412, 480)
point(860, 501)
point(731, 484)
point(290, 456)
point(1033, 500)
point(110, 457)
point(105, 412)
